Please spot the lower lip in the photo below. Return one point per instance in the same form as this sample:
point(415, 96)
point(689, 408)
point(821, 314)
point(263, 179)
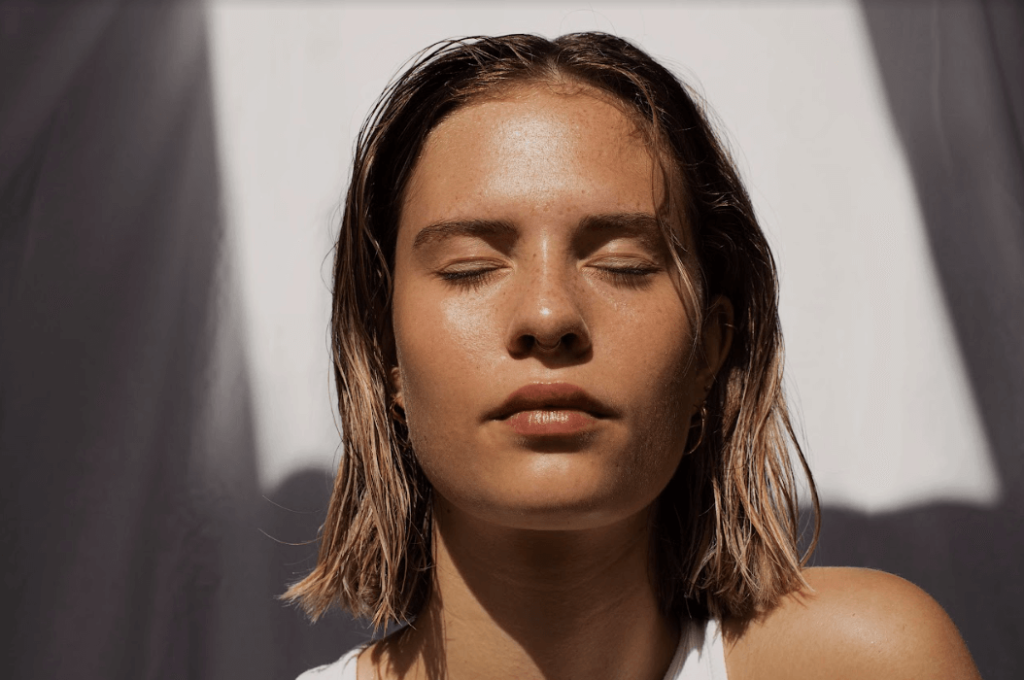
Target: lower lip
point(545, 423)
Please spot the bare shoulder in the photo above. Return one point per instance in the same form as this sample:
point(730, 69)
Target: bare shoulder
point(850, 624)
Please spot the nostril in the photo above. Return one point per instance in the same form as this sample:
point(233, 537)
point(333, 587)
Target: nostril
point(548, 330)
point(543, 345)
point(567, 341)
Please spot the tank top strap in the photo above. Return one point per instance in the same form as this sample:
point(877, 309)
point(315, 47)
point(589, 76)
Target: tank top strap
point(342, 669)
point(701, 653)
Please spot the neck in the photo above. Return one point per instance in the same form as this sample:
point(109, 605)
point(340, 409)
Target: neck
point(535, 604)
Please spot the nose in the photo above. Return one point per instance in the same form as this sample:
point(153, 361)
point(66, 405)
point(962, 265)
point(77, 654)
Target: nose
point(548, 318)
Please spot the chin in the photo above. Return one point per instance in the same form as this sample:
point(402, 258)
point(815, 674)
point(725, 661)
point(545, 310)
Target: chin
point(561, 520)
point(558, 498)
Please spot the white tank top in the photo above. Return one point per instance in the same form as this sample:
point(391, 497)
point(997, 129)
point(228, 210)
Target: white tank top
point(700, 656)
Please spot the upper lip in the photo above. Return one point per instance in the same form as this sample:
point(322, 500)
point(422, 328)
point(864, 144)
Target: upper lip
point(550, 396)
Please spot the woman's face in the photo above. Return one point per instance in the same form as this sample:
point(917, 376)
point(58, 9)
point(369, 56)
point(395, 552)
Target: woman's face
point(546, 362)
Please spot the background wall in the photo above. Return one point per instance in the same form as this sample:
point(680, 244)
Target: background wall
point(168, 191)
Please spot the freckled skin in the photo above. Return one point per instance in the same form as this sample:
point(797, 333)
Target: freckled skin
point(542, 160)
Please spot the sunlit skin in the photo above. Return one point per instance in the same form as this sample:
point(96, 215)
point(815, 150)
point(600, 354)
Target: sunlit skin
point(527, 254)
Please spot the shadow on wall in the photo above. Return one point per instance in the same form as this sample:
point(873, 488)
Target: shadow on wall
point(954, 76)
point(108, 260)
point(129, 502)
point(291, 519)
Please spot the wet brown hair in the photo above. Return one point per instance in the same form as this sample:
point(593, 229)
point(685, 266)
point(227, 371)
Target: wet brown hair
point(726, 527)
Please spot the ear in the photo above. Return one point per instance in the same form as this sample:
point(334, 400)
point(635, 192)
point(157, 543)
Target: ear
point(716, 337)
point(395, 376)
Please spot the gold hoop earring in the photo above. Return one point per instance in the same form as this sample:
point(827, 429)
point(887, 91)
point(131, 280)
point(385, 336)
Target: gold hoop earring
point(700, 439)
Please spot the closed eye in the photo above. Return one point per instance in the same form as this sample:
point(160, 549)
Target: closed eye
point(627, 276)
point(468, 277)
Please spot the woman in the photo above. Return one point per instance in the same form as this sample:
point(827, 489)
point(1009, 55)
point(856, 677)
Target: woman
point(558, 360)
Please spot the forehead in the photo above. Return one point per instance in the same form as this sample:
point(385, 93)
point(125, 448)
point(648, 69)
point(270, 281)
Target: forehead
point(537, 147)
point(544, 109)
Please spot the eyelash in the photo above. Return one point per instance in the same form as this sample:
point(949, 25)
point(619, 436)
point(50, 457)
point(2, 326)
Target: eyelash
point(468, 278)
point(627, 277)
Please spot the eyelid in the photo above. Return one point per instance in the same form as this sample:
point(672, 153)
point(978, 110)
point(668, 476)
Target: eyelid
point(626, 261)
point(468, 272)
point(467, 278)
point(626, 246)
point(471, 263)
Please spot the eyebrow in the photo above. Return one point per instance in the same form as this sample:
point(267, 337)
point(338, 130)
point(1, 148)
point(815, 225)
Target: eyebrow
point(440, 231)
point(640, 225)
point(644, 226)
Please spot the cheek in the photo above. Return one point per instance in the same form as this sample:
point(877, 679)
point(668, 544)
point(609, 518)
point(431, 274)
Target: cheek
point(446, 352)
point(662, 369)
point(441, 345)
point(655, 341)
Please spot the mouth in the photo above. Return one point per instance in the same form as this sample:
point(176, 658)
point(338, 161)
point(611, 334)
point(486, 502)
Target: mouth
point(546, 423)
point(550, 409)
